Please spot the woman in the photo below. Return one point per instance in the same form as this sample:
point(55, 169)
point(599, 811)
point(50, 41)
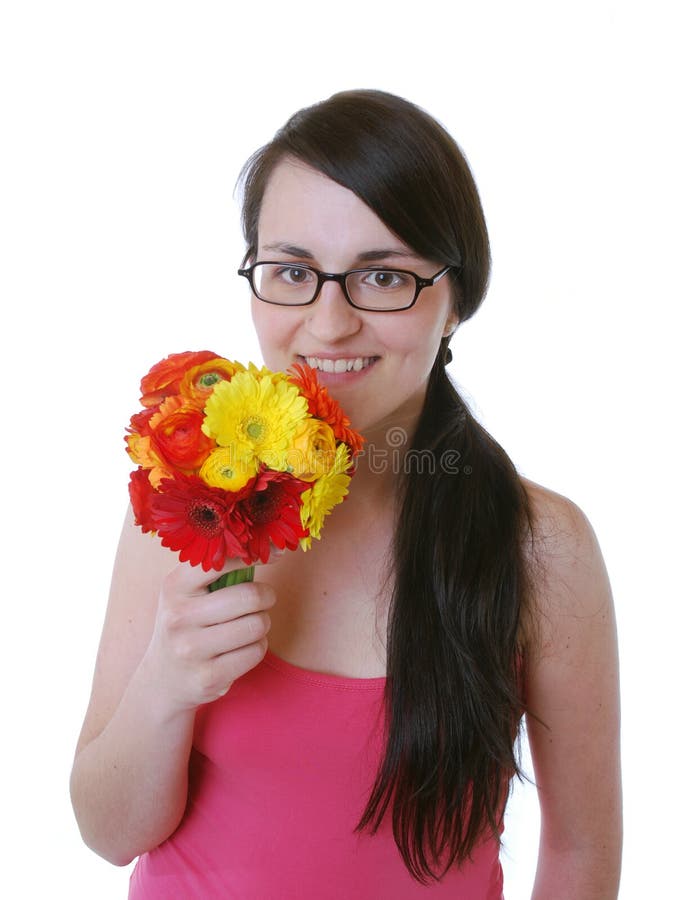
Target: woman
point(345, 726)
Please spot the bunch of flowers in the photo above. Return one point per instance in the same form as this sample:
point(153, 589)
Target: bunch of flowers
point(234, 460)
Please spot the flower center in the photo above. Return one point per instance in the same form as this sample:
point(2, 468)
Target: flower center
point(254, 428)
point(205, 517)
point(208, 379)
point(263, 506)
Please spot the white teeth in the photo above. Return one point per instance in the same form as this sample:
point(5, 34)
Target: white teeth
point(338, 365)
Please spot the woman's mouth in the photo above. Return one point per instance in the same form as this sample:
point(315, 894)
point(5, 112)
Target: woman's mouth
point(341, 364)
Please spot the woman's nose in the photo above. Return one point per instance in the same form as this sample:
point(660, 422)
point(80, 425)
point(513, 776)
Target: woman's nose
point(331, 317)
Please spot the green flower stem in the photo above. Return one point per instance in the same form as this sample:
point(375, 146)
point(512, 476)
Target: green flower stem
point(237, 576)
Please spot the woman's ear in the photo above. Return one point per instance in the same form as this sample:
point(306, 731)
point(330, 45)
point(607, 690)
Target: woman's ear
point(448, 331)
point(450, 326)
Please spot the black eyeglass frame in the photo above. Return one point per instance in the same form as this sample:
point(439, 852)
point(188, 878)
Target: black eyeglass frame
point(341, 278)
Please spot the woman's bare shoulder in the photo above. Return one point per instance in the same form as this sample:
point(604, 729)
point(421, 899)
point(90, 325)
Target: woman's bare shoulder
point(557, 518)
point(569, 574)
point(561, 534)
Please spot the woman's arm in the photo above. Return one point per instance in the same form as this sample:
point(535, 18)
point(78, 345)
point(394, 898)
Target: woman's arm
point(573, 710)
point(168, 645)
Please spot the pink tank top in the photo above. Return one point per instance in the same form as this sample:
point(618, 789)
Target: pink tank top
point(280, 772)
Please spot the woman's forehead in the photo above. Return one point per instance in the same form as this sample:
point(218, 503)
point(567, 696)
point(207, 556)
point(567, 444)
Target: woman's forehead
point(303, 208)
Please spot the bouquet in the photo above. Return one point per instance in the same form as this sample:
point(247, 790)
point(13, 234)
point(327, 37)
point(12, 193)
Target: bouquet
point(234, 460)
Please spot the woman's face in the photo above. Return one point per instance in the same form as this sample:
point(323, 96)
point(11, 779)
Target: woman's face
point(308, 218)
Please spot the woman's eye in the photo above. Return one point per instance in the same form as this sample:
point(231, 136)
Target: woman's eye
point(294, 275)
point(381, 278)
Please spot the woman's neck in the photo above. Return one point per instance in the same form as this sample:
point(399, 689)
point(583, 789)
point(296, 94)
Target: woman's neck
point(383, 457)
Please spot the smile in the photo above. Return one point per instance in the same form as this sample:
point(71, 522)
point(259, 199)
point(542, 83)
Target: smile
point(353, 364)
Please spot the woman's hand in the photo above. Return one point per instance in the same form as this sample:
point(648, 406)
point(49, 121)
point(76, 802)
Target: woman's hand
point(201, 641)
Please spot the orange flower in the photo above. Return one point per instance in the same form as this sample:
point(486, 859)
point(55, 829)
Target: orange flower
point(312, 453)
point(323, 406)
point(165, 377)
point(138, 447)
point(176, 435)
point(138, 439)
point(198, 383)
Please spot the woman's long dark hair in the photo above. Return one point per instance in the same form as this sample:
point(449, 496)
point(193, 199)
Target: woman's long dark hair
point(461, 578)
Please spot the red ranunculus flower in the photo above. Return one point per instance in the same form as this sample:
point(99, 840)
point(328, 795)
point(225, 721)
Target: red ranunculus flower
point(176, 435)
point(141, 491)
point(270, 504)
point(164, 378)
point(140, 421)
point(201, 522)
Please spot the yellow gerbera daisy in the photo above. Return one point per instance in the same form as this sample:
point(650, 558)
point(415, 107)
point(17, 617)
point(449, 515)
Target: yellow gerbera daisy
point(263, 372)
point(221, 469)
point(324, 494)
point(255, 417)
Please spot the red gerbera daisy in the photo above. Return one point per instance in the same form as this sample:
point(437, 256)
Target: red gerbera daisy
point(270, 504)
point(200, 521)
point(323, 406)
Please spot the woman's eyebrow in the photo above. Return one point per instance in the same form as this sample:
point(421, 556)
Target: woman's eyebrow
point(364, 256)
point(290, 249)
point(373, 255)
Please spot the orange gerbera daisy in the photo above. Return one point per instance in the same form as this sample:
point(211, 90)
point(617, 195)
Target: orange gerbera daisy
point(323, 406)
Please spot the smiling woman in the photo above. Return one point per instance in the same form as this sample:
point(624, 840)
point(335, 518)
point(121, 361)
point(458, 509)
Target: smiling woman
point(349, 720)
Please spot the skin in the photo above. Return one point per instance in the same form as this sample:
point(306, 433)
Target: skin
point(168, 646)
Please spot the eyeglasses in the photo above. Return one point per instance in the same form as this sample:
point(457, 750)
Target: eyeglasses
point(380, 289)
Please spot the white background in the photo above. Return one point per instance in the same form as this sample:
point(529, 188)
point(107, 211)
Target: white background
point(124, 129)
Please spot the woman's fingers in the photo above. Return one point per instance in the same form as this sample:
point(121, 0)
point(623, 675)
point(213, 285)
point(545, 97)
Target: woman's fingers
point(206, 609)
point(202, 640)
point(223, 670)
point(223, 637)
point(193, 579)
